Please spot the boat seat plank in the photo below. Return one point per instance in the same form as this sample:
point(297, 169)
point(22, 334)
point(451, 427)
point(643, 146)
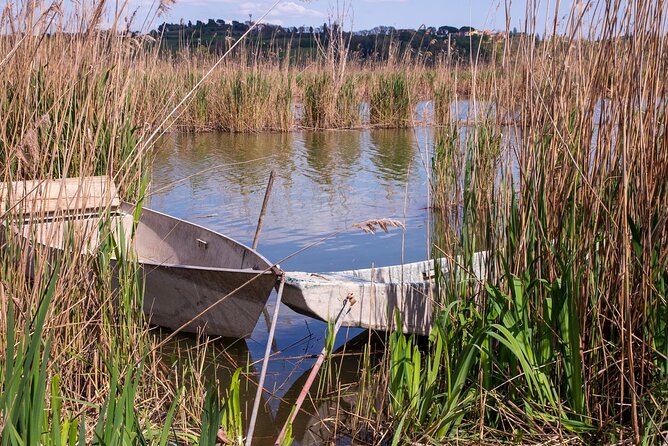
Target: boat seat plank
point(71, 196)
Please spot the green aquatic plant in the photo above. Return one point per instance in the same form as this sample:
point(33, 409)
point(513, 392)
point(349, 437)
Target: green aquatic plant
point(29, 420)
point(22, 402)
point(442, 100)
point(330, 103)
point(318, 97)
point(390, 102)
point(222, 419)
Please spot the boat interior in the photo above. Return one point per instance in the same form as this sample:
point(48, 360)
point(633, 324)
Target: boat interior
point(71, 215)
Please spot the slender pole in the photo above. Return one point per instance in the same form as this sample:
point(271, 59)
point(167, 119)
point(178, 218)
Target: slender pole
point(263, 211)
point(260, 220)
point(265, 363)
point(349, 302)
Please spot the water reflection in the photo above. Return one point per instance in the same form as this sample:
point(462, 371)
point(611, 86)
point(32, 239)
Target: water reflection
point(332, 398)
point(198, 363)
point(393, 153)
point(331, 155)
point(326, 182)
point(235, 154)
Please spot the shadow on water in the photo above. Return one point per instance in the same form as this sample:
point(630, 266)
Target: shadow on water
point(333, 395)
point(336, 385)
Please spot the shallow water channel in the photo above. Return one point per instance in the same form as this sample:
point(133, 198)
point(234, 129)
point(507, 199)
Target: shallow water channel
point(326, 182)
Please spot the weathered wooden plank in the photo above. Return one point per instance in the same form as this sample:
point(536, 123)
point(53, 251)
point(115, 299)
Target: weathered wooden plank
point(40, 198)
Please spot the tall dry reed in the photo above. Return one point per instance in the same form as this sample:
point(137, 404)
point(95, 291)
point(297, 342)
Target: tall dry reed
point(559, 175)
point(77, 100)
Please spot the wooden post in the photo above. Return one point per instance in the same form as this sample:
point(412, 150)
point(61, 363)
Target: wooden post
point(260, 220)
point(263, 211)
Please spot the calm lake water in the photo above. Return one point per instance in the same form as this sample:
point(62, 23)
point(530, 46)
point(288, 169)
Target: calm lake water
point(325, 183)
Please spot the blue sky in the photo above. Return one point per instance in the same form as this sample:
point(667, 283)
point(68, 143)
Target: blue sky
point(361, 14)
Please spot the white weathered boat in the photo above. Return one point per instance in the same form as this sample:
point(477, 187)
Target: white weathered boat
point(379, 293)
point(186, 268)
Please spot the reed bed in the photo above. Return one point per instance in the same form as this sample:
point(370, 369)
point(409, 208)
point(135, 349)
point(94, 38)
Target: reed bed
point(268, 97)
point(563, 183)
point(77, 362)
point(390, 100)
point(253, 90)
point(271, 95)
point(235, 100)
point(326, 105)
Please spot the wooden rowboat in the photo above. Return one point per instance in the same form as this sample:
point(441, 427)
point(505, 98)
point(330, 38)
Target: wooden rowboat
point(379, 293)
point(185, 268)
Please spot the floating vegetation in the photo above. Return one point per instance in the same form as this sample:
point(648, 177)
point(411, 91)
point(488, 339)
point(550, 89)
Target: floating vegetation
point(372, 225)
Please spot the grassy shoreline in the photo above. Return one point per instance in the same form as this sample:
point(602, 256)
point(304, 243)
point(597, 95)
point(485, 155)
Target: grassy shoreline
point(239, 98)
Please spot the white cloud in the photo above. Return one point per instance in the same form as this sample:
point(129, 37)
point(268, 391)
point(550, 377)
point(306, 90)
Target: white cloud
point(294, 10)
point(285, 10)
point(248, 8)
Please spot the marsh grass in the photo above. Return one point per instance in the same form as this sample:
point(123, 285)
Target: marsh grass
point(317, 100)
point(390, 102)
point(559, 173)
point(326, 105)
point(248, 101)
point(74, 98)
point(273, 96)
point(441, 99)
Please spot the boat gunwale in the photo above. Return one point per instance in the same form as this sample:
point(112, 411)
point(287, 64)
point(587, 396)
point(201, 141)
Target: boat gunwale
point(272, 268)
point(348, 275)
point(381, 268)
point(257, 272)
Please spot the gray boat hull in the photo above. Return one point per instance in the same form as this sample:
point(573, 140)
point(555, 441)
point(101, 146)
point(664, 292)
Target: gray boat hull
point(195, 279)
point(380, 293)
point(175, 296)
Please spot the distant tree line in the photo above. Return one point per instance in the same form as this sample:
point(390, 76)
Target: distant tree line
point(429, 43)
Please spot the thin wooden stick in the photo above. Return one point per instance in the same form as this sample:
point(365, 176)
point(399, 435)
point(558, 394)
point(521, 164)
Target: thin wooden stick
point(263, 211)
point(256, 239)
point(265, 363)
point(349, 302)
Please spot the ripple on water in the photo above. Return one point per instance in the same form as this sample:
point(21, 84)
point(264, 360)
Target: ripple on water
point(326, 182)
